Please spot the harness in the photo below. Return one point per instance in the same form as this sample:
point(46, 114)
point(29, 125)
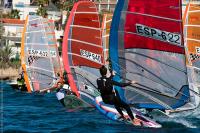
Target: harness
point(104, 86)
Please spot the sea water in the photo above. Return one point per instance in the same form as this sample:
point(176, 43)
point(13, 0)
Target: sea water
point(24, 112)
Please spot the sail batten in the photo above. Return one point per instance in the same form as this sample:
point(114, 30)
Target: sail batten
point(154, 16)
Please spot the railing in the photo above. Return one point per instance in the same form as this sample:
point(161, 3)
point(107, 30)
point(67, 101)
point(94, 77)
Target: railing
point(106, 5)
point(12, 34)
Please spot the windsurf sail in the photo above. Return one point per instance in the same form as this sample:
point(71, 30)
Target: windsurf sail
point(192, 47)
point(39, 54)
point(82, 49)
point(146, 45)
point(192, 36)
point(106, 23)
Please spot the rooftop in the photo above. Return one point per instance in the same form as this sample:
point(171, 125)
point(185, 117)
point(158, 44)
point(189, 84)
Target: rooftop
point(12, 21)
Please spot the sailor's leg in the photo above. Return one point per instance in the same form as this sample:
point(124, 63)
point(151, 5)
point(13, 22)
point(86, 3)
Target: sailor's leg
point(62, 102)
point(116, 103)
point(119, 110)
point(127, 108)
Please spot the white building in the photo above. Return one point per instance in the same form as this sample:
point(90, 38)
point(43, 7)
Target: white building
point(13, 29)
point(25, 8)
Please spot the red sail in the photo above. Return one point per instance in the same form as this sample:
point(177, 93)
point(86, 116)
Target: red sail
point(146, 20)
point(82, 44)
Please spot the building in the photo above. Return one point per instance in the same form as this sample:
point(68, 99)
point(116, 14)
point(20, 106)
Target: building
point(13, 29)
point(25, 8)
point(7, 3)
point(106, 5)
point(53, 12)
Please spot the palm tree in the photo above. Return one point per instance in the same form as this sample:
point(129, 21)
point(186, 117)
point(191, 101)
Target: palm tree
point(14, 14)
point(42, 2)
point(5, 55)
point(68, 5)
point(42, 10)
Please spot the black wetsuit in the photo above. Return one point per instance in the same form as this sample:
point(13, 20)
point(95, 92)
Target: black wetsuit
point(62, 101)
point(65, 79)
point(105, 86)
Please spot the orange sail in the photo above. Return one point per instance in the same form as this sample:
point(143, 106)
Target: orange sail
point(192, 48)
point(192, 34)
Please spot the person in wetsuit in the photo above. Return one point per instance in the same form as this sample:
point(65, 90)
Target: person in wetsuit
point(21, 82)
point(61, 93)
point(111, 96)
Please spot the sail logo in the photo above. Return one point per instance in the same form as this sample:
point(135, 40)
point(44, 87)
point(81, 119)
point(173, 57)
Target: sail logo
point(90, 56)
point(198, 50)
point(194, 57)
point(158, 34)
point(34, 25)
point(41, 53)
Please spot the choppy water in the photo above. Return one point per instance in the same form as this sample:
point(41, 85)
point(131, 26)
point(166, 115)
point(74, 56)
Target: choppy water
point(23, 112)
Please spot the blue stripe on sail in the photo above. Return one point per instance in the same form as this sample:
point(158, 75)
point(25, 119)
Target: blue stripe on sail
point(183, 99)
point(113, 47)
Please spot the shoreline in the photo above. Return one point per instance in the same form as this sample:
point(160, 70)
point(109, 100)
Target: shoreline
point(9, 74)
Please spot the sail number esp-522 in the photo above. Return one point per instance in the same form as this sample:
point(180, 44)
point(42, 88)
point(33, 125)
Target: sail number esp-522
point(158, 34)
point(41, 53)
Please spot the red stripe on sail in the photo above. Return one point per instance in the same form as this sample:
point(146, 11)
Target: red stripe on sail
point(77, 60)
point(87, 35)
point(86, 7)
point(152, 16)
point(85, 62)
point(148, 43)
point(163, 8)
point(90, 20)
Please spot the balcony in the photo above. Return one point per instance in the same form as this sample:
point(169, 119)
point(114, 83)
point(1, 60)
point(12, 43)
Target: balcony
point(13, 36)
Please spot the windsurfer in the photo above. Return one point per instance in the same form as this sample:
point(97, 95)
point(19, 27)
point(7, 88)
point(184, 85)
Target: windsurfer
point(21, 82)
point(111, 96)
point(62, 92)
point(66, 82)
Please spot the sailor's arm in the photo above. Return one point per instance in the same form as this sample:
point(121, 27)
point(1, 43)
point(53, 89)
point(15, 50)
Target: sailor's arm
point(51, 89)
point(121, 84)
